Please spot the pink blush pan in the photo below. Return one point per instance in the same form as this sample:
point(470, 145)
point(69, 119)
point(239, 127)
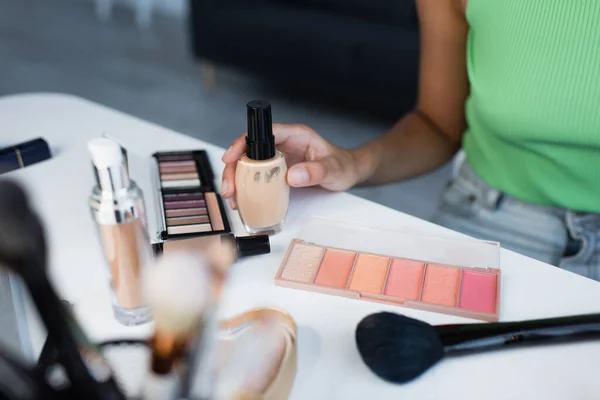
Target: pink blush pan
point(478, 291)
point(405, 279)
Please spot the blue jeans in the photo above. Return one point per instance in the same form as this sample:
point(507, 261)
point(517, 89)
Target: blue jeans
point(564, 238)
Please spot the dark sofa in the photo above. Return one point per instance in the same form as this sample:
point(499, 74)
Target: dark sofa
point(357, 52)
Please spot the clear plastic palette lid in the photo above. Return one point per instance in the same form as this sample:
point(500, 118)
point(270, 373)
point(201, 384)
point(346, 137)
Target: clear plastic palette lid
point(401, 243)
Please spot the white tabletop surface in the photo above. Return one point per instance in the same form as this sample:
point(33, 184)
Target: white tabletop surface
point(329, 364)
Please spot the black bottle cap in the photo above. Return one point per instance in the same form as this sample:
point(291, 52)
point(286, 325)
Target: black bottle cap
point(247, 246)
point(260, 142)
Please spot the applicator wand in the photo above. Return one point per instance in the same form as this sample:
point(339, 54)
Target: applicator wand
point(398, 349)
point(23, 250)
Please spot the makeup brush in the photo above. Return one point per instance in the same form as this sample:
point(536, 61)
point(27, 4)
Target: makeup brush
point(251, 364)
point(398, 349)
point(197, 380)
point(19, 381)
point(177, 290)
point(23, 250)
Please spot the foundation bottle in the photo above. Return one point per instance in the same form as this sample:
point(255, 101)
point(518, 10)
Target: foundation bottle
point(262, 192)
point(118, 210)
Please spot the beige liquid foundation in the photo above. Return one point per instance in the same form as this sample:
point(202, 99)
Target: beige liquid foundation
point(118, 209)
point(260, 178)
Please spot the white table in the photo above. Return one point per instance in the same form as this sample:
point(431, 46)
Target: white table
point(329, 364)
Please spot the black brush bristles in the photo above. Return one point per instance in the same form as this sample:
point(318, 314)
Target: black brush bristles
point(396, 348)
point(21, 233)
point(23, 250)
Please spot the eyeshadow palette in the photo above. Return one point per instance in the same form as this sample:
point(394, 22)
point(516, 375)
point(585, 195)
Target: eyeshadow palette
point(464, 291)
point(188, 203)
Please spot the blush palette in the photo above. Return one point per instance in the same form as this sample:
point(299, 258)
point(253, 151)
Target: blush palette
point(188, 203)
point(464, 291)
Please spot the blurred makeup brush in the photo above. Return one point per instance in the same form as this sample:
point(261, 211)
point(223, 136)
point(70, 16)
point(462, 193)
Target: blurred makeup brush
point(177, 290)
point(221, 256)
point(23, 250)
point(251, 363)
point(198, 378)
point(399, 349)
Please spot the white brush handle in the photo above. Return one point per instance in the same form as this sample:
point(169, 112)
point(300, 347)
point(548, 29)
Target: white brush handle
point(160, 387)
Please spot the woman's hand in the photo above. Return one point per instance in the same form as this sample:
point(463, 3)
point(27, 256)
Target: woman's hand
point(311, 160)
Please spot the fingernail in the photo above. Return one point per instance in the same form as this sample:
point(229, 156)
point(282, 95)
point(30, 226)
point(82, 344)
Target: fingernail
point(224, 188)
point(232, 204)
point(226, 153)
point(297, 176)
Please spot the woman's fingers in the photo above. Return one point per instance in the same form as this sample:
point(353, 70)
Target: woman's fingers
point(309, 173)
point(228, 183)
point(235, 151)
point(329, 172)
point(282, 133)
point(232, 203)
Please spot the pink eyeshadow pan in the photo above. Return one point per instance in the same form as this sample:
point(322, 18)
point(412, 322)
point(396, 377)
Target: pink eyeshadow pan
point(405, 279)
point(176, 164)
point(478, 291)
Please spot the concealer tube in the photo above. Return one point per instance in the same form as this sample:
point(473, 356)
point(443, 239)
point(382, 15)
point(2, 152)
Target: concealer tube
point(262, 192)
point(118, 210)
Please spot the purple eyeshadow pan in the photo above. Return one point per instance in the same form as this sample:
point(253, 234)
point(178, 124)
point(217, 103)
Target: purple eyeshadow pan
point(175, 157)
point(183, 197)
point(172, 205)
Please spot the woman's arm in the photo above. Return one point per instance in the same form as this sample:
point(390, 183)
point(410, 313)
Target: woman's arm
point(428, 137)
point(421, 142)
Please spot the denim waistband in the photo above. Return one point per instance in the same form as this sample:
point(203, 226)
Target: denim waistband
point(491, 198)
point(560, 236)
point(480, 192)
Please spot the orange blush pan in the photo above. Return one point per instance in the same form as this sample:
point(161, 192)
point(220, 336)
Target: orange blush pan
point(335, 268)
point(369, 273)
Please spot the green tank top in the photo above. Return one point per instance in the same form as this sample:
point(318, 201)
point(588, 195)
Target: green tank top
point(533, 113)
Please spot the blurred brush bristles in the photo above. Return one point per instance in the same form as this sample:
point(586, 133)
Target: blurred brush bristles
point(220, 257)
point(21, 232)
point(177, 289)
point(252, 363)
point(167, 351)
